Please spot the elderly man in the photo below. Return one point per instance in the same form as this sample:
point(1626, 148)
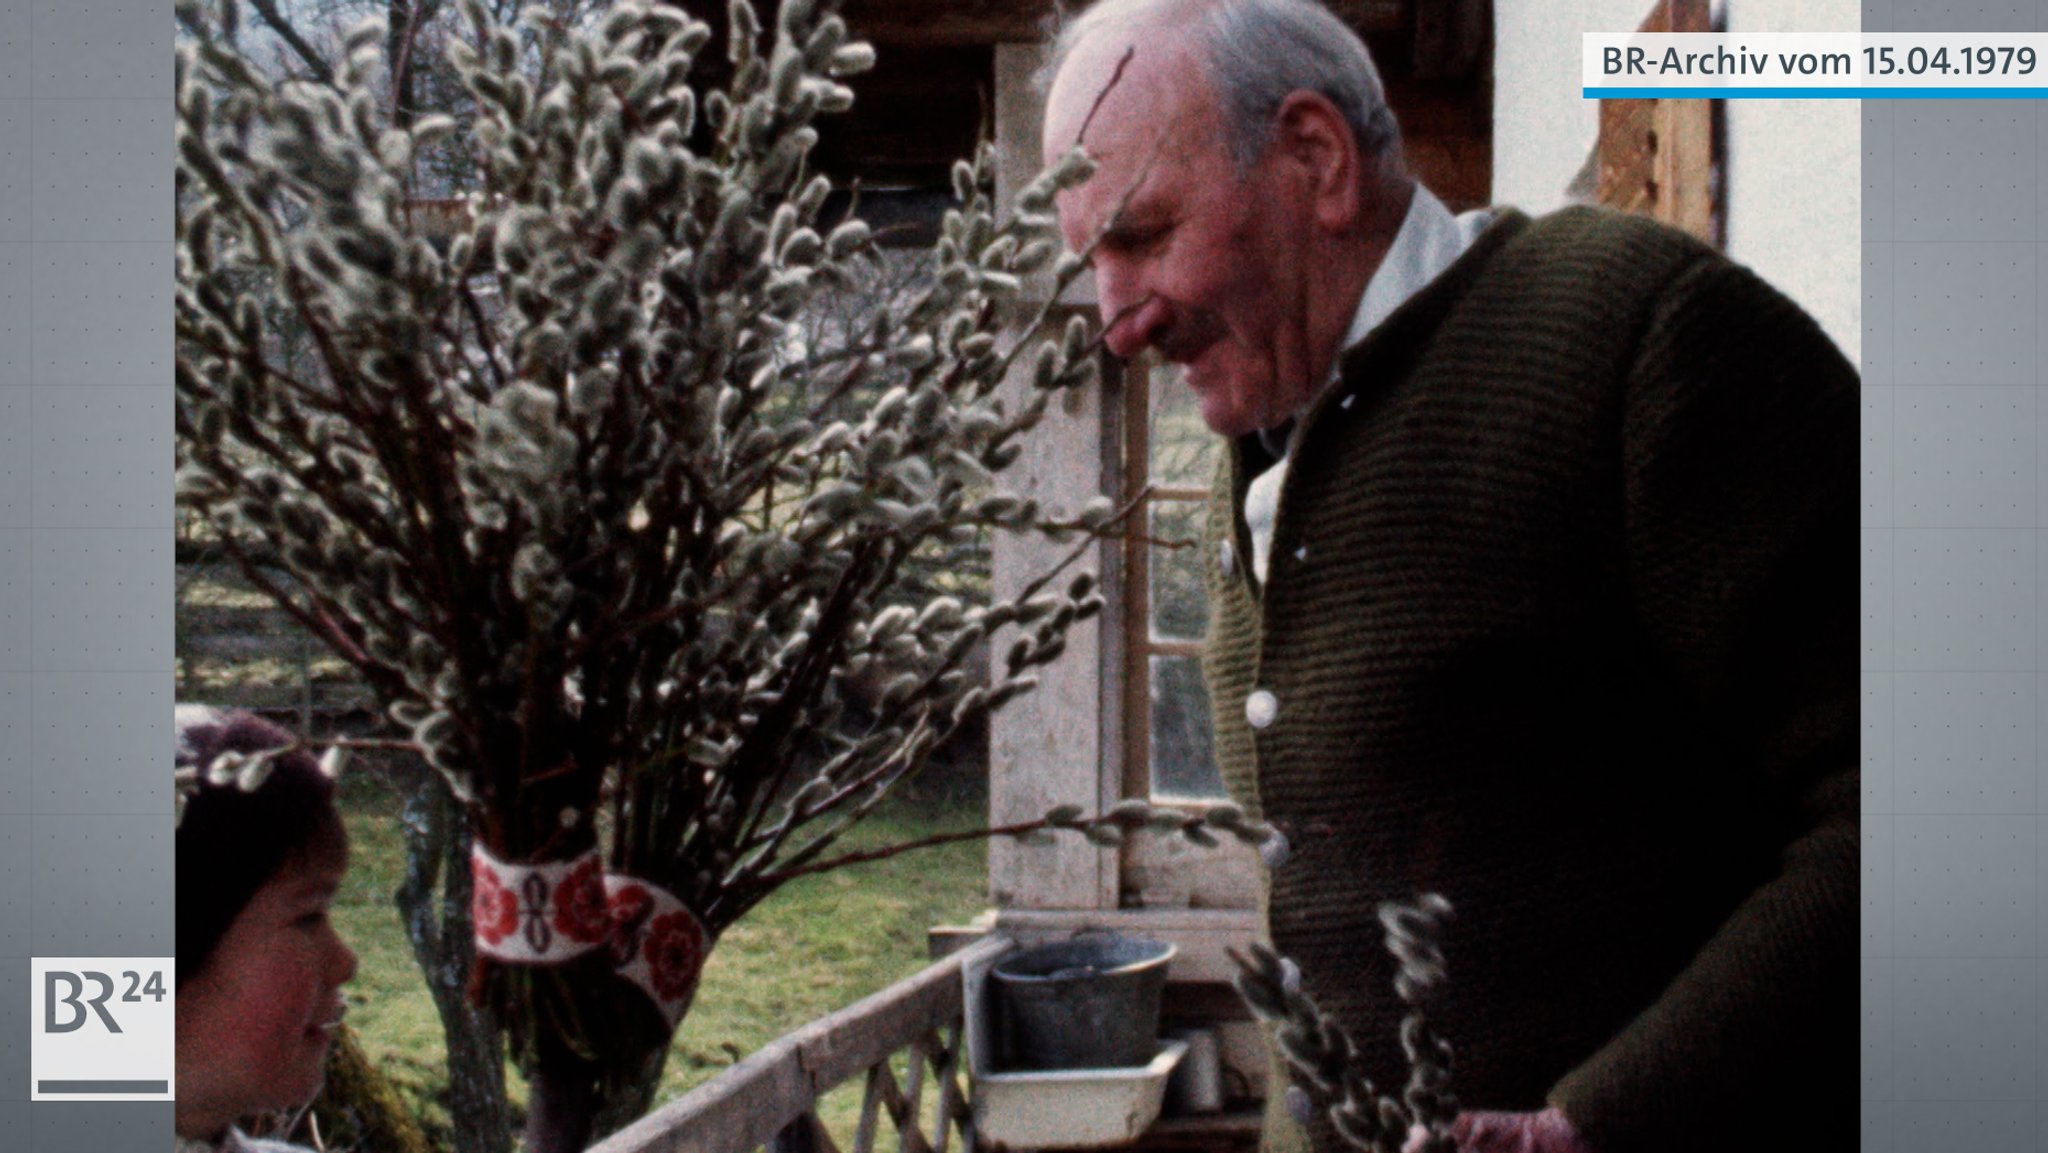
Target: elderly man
point(1534, 586)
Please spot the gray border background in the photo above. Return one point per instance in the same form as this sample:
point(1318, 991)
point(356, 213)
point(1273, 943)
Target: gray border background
point(1955, 976)
point(85, 522)
point(1955, 582)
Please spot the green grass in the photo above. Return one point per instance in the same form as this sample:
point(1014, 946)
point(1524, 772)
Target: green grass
point(818, 945)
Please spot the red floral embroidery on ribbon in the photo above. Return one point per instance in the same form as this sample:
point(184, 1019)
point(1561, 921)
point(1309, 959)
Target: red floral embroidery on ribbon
point(581, 912)
point(493, 907)
point(675, 954)
point(630, 906)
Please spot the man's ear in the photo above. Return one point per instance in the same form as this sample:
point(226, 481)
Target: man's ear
point(1312, 135)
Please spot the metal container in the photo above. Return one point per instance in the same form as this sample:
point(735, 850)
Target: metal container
point(1196, 1086)
point(1091, 1002)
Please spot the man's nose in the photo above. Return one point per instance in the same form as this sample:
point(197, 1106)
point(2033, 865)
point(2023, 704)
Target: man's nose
point(1132, 326)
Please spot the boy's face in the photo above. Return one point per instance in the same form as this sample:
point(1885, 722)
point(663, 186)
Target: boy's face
point(254, 1025)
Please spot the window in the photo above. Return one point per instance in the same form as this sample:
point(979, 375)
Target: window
point(1168, 753)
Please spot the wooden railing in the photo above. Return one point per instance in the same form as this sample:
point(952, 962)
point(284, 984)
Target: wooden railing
point(770, 1100)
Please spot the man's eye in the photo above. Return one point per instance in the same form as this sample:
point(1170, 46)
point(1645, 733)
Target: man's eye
point(1136, 238)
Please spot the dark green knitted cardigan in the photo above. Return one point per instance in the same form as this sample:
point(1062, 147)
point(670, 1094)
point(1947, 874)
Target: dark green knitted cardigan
point(1562, 624)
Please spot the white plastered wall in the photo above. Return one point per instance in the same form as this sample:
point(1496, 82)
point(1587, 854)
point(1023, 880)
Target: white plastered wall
point(1794, 167)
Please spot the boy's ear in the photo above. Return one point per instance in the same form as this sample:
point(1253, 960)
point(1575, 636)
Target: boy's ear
point(1312, 138)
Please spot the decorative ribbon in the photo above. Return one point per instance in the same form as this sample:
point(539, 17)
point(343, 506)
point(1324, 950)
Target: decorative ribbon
point(538, 914)
point(548, 913)
point(656, 942)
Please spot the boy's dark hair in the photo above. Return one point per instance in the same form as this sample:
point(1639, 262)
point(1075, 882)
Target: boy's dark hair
point(230, 843)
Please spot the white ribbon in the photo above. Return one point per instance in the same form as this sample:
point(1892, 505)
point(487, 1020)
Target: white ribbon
point(656, 943)
point(538, 914)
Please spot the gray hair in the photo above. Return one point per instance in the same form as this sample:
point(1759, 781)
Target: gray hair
point(1258, 53)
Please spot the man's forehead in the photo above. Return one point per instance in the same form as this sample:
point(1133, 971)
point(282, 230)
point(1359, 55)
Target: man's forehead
point(1127, 90)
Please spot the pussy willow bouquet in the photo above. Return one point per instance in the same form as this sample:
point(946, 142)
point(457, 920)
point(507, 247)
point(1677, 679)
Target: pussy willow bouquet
point(567, 486)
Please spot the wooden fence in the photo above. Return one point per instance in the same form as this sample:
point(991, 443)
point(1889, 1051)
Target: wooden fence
point(235, 649)
point(770, 1100)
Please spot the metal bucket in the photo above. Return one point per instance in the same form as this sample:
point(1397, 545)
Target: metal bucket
point(1087, 1003)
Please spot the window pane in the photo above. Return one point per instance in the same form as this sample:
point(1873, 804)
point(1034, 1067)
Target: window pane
point(1179, 608)
point(1183, 448)
point(1183, 759)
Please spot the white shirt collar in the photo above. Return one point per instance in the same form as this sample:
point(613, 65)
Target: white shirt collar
point(1430, 240)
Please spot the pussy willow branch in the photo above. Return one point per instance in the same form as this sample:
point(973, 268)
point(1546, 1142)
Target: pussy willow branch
point(1320, 1048)
point(1128, 816)
point(1114, 78)
point(846, 792)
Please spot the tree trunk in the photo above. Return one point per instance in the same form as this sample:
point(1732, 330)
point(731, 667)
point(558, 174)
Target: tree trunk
point(632, 1101)
point(437, 855)
point(400, 31)
point(568, 1105)
point(561, 1100)
point(572, 1100)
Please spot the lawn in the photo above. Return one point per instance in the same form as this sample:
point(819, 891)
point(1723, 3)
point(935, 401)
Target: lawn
point(818, 945)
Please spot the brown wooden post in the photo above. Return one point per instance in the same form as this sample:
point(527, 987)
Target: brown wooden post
point(1046, 748)
point(1656, 157)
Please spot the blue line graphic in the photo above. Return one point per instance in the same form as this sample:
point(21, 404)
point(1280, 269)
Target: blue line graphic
point(1739, 93)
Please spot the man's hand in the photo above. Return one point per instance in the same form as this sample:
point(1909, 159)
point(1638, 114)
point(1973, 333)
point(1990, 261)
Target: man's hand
point(1483, 1132)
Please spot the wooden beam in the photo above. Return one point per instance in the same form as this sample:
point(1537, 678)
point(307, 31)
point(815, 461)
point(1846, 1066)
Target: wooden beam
point(1447, 133)
point(1029, 21)
point(922, 108)
point(1452, 38)
point(949, 21)
point(1656, 157)
point(1045, 747)
point(1376, 15)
